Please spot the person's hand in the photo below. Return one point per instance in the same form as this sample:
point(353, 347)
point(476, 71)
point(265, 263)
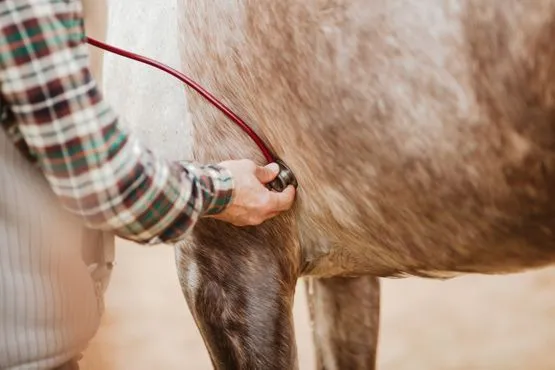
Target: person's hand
point(253, 203)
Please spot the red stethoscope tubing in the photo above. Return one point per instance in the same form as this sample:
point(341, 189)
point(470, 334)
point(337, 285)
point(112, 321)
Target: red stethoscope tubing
point(199, 89)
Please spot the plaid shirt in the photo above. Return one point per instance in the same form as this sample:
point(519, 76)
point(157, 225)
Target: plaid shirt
point(57, 117)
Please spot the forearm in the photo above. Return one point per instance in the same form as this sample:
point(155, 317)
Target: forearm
point(120, 185)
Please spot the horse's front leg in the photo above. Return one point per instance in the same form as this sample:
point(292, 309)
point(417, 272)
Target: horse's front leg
point(239, 284)
point(345, 315)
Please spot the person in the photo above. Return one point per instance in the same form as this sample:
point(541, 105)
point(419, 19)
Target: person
point(71, 176)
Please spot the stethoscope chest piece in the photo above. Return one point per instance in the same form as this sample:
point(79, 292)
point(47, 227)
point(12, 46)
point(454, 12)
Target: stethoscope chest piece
point(284, 178)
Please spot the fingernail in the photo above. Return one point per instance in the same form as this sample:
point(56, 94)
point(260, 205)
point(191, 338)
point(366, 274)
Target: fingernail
point(274, 167)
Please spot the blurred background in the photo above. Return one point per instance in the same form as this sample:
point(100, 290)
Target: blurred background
point(473, 322)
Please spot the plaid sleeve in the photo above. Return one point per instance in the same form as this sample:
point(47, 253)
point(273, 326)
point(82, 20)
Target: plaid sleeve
point(97, 169)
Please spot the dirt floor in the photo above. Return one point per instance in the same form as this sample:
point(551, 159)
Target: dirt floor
point(475, 323)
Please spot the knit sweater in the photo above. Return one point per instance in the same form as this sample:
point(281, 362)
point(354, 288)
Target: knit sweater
point(53, 271)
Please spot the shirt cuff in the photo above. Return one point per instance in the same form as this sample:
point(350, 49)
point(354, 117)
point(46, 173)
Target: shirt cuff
point(216, 184)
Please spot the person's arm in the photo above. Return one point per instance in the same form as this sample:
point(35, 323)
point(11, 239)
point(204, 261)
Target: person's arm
point(97, 169)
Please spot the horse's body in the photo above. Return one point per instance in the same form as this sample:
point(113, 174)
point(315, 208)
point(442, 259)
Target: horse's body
point(422, 138)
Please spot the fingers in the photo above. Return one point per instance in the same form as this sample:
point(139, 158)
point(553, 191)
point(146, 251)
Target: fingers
point(275, 204)
point(267, 173)
point(272, 206)
point(280, 202)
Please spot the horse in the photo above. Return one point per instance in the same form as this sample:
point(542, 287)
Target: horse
point(421, 135)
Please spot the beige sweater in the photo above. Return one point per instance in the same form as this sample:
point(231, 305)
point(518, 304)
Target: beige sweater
point(53, 271)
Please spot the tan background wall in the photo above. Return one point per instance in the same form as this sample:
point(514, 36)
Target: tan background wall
point(480, 323)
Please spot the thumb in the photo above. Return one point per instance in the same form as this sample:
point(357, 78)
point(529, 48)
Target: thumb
point(267, 173)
